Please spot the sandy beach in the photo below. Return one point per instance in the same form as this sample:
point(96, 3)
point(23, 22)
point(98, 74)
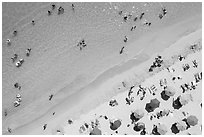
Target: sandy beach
point(83, 82)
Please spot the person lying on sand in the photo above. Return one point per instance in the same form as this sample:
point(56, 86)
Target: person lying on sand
point(19, 63)
point(121, 51)
point(28, 52)
point(141, 16)
point(16, 104)
point(60, 10)
point(50, 97)
point(9, 130)
point(14, 57)
point(33, 22)
point(8, 41)
point(49, 12)
point(133, 28)
point(15, 33)
point(125, 39)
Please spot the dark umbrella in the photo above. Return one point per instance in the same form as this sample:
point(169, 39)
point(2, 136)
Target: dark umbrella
point(177, 104)
point(139, 126)
point(174, 128)
point(115, 125)
point(95, 131)
point(154, 103)
point(192, 120)
point(164, 96)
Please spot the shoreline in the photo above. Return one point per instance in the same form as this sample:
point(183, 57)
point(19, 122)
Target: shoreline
point(93, 87)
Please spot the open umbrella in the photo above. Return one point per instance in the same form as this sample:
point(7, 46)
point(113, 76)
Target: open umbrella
point(96, 131)
point(139, 126)
point(174, 128)
point(139, 113)
point(161, 129)
point(176, 103)
point(164, 96)
point(169, 91)
point(192, 120)
point(115, 125)
point(184, 99)
point(150, 107)
point(181, 125)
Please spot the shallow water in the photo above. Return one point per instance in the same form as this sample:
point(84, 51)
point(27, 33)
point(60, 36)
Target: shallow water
point(56, 63)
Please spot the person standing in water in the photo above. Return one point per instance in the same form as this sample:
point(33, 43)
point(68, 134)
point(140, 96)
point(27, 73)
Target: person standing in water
point(73, 7)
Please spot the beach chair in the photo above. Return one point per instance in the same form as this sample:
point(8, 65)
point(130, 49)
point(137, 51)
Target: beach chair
point(195, 64)
point(18, 64)
point(185, 87)
point(186, 67)
point(14, 57)
point(152, 89)
point(18, 96)
point(82, 129)
point(60, 10)
point(198, 77)
point(163, 82)
point(129, 100)
point(16, 104)
point(21, 61)
point(113, 103)
point(193, 85)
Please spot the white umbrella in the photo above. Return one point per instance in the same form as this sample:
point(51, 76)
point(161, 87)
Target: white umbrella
point(170, 91)
point(181, 125)
point(184, 99)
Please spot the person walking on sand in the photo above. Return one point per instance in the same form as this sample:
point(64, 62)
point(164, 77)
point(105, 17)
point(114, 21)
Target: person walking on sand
point(73, 7)
point(53, 6)
point(44, 126)
point(125, 39)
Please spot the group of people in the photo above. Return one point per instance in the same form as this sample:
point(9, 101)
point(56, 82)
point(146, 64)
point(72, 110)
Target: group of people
point(82, 44)
point(157, 63)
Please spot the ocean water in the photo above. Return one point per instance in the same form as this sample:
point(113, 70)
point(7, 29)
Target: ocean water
point(56, 63)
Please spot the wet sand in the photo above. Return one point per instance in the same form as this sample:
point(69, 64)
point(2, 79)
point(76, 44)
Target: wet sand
point(71, 84)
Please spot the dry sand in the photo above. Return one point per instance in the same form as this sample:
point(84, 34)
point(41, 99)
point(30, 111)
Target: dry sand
point(77, 91)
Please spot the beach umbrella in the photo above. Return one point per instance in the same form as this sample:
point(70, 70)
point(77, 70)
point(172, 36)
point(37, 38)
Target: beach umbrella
point(185, 99)
point(192, 120)
point(161, 129)
point(115, 125)
point(96, 131)
point(165, 112)
point(139, 126)
point(181, 125)
point(176, 104)
point(170, 91)
point(154, 103)
point(174, 128)
point(164, 96)
point(139, 113)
